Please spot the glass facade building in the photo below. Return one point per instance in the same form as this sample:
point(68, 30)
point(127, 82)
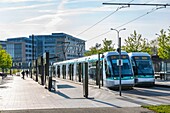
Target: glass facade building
point(60, 46)
point(21, 51)
point(3, 44)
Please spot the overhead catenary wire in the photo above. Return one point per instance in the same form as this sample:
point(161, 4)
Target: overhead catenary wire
point(100, 21)
point(153, 10)
point(98, 36)
point(104, 18)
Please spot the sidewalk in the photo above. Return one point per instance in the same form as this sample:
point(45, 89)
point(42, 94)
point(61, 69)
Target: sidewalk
point(162, 83)
point(19, 94)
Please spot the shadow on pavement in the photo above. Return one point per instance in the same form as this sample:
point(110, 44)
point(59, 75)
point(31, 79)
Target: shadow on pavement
point(4, 86)
point(60, 94)
point(105, 103)
point(145, 92)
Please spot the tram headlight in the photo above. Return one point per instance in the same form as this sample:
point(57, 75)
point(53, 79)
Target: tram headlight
point(114, 78)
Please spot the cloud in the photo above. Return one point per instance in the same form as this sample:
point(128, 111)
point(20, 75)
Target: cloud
point(68, 12)
point(14, 30)
point(25, 7)
point(36, 19)
point(9, 1)
point(80, 1)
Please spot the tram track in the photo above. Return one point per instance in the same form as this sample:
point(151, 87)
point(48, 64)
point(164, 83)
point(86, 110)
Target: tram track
point(150, 94)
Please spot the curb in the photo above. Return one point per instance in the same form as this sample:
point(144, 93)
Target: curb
point(160, 85)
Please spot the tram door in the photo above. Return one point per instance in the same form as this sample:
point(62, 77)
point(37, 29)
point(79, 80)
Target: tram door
point(69, 71)
point(58, 71)
point(79, 68)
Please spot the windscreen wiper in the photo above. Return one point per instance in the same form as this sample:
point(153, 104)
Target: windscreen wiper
point(139, 68)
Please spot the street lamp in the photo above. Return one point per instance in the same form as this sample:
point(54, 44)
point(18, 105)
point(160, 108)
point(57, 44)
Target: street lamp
point(119, 50)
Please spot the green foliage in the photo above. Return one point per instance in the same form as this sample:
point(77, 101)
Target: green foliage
point(14, 71)
point(93, 50)
point(135, 43)
point(164, 44)
point(154, 46)
point(107, 46)
point(159, 109)
point(5, 59)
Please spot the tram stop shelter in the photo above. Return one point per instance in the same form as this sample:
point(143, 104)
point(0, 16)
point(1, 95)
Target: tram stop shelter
point(161, 67)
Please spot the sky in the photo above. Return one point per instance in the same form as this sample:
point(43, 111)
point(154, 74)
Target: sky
point(85, 19)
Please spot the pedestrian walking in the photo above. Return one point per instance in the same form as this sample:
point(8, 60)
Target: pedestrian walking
point(23, 74)
point(27, 72)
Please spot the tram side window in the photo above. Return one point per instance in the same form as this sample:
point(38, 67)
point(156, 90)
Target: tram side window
point(107, 69)
point(54, 71)
point(77, 69)
point(58, 71)
point(134, 67)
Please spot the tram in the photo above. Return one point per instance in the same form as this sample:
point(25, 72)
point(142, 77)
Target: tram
point(109, 69)
point(143, 68)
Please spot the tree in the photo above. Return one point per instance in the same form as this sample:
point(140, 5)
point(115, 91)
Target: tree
point(107, 46)
point(5, 59)
point(135, 43)
point(92, 51)
point(154, 46)
point(164, 44)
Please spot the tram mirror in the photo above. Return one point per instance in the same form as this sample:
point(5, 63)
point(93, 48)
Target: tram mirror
point(102, 56)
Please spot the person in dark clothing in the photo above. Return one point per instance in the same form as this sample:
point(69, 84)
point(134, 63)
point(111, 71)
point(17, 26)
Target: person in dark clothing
point(27, 72)
point(23, 74)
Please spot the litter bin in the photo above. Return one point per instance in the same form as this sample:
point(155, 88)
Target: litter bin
point(54, 85)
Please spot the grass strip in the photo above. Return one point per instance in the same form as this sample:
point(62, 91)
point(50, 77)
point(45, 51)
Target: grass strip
point(159, 108)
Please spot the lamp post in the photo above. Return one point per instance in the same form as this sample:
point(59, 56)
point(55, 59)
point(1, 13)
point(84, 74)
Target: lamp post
point(32, 66)
point(119, 50)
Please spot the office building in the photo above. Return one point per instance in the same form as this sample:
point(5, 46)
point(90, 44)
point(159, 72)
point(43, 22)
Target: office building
point(3, 44)
point(60, 46)
point(21, 51)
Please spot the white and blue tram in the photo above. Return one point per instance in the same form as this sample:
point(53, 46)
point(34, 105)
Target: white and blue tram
point(143, 68)
point(109, 70)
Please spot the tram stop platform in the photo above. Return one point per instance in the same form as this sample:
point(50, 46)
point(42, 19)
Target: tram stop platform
point(26, 94)
point(162, 83)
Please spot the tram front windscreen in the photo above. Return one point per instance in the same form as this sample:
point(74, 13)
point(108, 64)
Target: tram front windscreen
point(144, 65)
point(126, 69)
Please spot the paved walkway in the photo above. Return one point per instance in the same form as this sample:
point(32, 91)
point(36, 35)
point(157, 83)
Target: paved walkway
point(163, 83)
point(19, 94)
